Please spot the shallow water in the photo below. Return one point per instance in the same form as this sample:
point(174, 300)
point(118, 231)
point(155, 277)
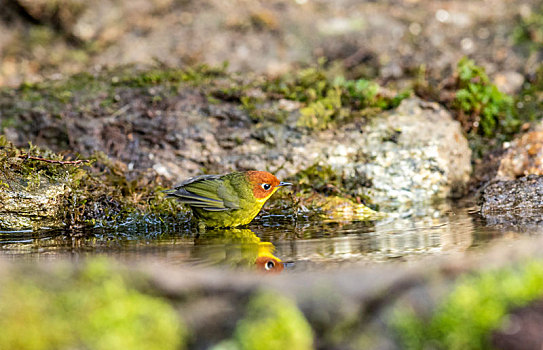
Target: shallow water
point(304, 243)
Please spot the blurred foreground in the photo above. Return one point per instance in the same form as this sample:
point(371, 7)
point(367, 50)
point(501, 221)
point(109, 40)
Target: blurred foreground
point(454, 302)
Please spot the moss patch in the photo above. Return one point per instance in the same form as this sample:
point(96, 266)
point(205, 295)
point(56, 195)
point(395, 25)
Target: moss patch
point(95, 310)
point(331, 100)
point(477, 305)
point(481, 106)
point(487, 115)
point(272, 322)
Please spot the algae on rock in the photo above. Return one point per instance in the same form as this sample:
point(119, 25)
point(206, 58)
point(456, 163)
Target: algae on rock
point(40, 190)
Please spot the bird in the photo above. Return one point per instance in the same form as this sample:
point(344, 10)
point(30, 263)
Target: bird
point(228, 200)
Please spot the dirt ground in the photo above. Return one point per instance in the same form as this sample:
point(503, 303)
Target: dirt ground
point(389, 40)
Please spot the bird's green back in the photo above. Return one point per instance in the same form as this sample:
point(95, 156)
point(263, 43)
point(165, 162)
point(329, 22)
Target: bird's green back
point(226, 200)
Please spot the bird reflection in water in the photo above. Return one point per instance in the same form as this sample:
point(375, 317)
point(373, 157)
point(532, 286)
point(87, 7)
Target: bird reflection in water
point(239, 248)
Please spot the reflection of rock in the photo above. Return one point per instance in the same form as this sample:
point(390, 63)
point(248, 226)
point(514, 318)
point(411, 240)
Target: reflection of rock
point(339, 209)
point(426, 232)
point(237, 247)
point(514, 202)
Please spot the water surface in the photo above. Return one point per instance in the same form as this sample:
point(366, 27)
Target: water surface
point(303, 242)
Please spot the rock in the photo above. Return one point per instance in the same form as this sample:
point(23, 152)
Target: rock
point(514, 202)
point(412, 154)
point(58, 14)
point(26, 207)
point(523, 157)
point(32, 192)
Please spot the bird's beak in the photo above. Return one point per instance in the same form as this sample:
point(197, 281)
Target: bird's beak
point(284, 184)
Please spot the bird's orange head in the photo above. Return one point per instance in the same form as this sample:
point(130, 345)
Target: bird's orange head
point(269, 264)
point(264, 184)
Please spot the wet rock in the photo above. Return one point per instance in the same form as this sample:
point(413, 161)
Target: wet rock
point(514, 202)
point(413, 154)
point(33, 189)
point(26, 207)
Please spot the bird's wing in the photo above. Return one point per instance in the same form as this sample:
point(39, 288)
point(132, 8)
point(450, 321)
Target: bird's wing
point(208, 192)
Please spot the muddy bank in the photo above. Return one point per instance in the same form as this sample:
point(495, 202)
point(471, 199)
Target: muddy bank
point(387, 306)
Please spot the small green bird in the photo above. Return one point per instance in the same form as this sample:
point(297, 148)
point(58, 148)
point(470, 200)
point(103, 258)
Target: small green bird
point(227, 200)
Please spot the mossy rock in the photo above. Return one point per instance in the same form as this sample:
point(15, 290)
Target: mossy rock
point(31, 192)
point(94, 308)
point(38, 208)
point(39, 189)
point(477, 305)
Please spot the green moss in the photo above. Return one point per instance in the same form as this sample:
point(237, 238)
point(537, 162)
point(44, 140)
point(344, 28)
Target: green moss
point(320, 114)
point(480, 104)
point(272, 322)
point(28, 172)
point(320, 178)
point(331, 100)
point(161, 75)
point(327, 100)
point(95, 309)
point(107, 195)
point(477, 305)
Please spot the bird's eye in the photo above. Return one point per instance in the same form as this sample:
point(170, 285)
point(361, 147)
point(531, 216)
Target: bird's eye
point(269, 265)
point(266, 187)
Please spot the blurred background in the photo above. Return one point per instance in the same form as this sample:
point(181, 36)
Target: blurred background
point(389, 40)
